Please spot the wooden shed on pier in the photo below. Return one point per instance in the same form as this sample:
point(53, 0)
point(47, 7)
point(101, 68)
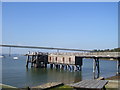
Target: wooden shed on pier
point(65, 59)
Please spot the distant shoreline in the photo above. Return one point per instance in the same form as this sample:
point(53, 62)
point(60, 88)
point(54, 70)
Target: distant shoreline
point(109, 59)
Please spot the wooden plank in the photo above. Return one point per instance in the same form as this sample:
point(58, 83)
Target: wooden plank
point(75, 84)
point(48, 85)
point(97, 84)
point(86, 84)
point(102, 84)
point(92, 84)
point(81, 82)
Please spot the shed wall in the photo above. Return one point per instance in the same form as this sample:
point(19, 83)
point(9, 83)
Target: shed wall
point(60, 59)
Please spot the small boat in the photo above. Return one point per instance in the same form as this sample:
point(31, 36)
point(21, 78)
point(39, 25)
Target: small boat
point(111, 59)
point(15, 58)
point(2, 56)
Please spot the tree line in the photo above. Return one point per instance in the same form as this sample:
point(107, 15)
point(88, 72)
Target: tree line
point(108, 50)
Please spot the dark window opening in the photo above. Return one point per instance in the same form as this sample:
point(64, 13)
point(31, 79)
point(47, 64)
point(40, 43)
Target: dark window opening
point(56, 58)
point(50, 58)
point(63, 59)
point(69, 59)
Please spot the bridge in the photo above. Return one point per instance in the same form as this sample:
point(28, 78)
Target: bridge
point(36, 47)
point(67, 58)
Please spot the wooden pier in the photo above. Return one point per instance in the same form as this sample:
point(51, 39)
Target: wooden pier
point(71, 61)
point(39, 60)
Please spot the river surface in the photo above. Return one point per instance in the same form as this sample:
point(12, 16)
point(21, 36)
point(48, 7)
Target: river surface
point(15, 73)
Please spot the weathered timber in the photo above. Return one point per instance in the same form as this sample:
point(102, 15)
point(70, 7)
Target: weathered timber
point(118, 66)
point(65, 59)
point(47, 85)
point(68, 60)
point(37, 59)
point(90, 84)
point(27, 60)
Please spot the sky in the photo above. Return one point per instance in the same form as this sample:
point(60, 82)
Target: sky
point(81, 25)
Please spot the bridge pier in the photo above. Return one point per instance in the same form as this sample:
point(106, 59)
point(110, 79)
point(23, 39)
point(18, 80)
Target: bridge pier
point(96, 65)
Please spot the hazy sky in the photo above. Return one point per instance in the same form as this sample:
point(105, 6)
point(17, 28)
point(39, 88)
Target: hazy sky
point(83, 25)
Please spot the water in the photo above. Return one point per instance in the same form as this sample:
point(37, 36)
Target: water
point(15, 73)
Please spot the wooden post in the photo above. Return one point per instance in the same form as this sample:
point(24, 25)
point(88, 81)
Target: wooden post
point(45, 65)
point(27, 60)
point(32, 61)
point(80, 66)
point(77, 68)
point(62, 66)
point(118, 66)
point(69, 67)
point(51, 65)
point(73, 67)
point(56, 66)
point(37, 60)
point(66, 67)
point(98, 68)
point(96, 64)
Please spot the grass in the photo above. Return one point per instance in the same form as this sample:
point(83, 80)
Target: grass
point(62, 88)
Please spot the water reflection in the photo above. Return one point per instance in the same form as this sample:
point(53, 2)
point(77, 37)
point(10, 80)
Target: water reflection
point(44, 75)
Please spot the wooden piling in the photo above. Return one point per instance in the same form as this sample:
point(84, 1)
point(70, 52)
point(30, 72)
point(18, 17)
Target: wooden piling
point(66, 67)
point(80, 66)
point(51, 66)
point(96, 65)
point(69, 67)
point(56, 66)
point(45, 65)
point(27, 60)
point(118, 66)
point(62, 66)
point(73, 67)
point(98, 68)
point(32, 61)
